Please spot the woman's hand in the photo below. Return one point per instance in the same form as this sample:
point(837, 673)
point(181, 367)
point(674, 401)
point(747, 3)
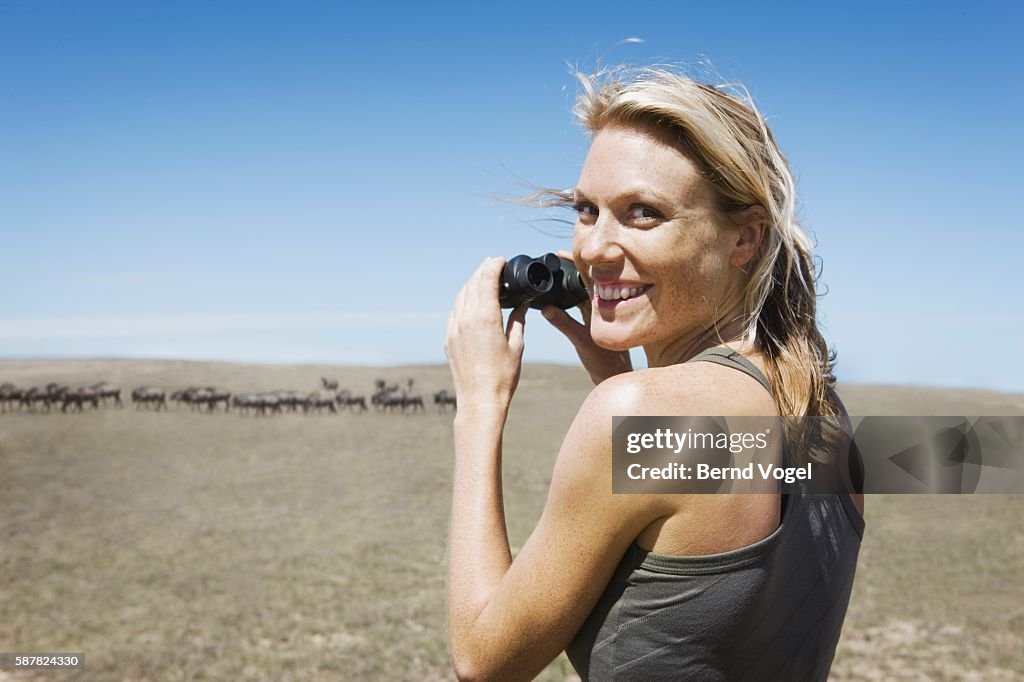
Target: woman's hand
point(599, 362)
point(484, 355)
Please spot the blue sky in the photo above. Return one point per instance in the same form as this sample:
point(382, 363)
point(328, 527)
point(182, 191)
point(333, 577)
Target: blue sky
point(311, 181)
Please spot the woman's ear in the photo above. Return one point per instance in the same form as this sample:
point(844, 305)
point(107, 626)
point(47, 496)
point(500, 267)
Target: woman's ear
point(751, 226)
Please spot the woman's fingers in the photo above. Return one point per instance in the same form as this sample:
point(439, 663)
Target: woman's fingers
point(484, 353)
point(476, 308)
point(601, 363)
point(586, 308)
point(515, 328)
point(563, 322)
point(482, 288)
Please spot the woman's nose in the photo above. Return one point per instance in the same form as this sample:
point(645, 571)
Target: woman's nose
point(599, 243)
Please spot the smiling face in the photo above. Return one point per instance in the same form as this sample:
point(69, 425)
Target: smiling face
point(650, 244)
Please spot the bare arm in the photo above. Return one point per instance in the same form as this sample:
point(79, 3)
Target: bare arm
point(508, 619)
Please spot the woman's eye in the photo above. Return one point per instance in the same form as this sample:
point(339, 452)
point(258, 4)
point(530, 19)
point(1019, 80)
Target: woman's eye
point(642, 213)
point(585, 209)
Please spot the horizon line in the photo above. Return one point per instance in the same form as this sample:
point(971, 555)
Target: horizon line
point(384, 365)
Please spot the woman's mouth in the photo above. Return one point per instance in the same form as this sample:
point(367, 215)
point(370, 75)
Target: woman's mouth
point(613, 294)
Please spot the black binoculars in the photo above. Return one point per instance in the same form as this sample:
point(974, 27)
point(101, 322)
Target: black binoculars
point(541, 281)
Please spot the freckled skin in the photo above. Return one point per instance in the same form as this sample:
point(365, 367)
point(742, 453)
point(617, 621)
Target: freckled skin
point(679, 245)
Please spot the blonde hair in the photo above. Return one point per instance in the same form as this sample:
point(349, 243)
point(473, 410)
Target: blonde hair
point(721, 130)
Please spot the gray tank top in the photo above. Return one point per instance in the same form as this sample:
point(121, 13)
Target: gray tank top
point(772, 610)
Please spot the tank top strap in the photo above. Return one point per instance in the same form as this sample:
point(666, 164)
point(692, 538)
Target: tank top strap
point(723, 355)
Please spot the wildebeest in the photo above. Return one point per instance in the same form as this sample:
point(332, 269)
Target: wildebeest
point(384, 387)
point(183, 395)
point(290, 400)
point(389, 399)
point(80, 397)
point(147, 396)
point(443, 399)
point(243, 402)
point(329, 384)
point(319, 401)
point(106, 390)
point(8, 393)
point(345, 399)
point(218, 395)
point(43, 397)
point(258, 403)
point(197, 397)
point(413, 401)
point(383, 397)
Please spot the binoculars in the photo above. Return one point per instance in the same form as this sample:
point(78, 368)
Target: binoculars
point(541, 281)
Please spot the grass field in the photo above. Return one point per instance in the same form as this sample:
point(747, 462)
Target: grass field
point(184, 546)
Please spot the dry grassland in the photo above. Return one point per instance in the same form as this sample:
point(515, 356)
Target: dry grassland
point(184, 546)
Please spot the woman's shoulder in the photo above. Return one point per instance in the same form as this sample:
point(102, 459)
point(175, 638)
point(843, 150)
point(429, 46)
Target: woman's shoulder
point(688, 388)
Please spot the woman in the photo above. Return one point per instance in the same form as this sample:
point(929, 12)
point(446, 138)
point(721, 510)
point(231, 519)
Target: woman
point(686, 238)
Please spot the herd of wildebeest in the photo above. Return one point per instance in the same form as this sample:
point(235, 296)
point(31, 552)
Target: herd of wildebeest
point(328, 398)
